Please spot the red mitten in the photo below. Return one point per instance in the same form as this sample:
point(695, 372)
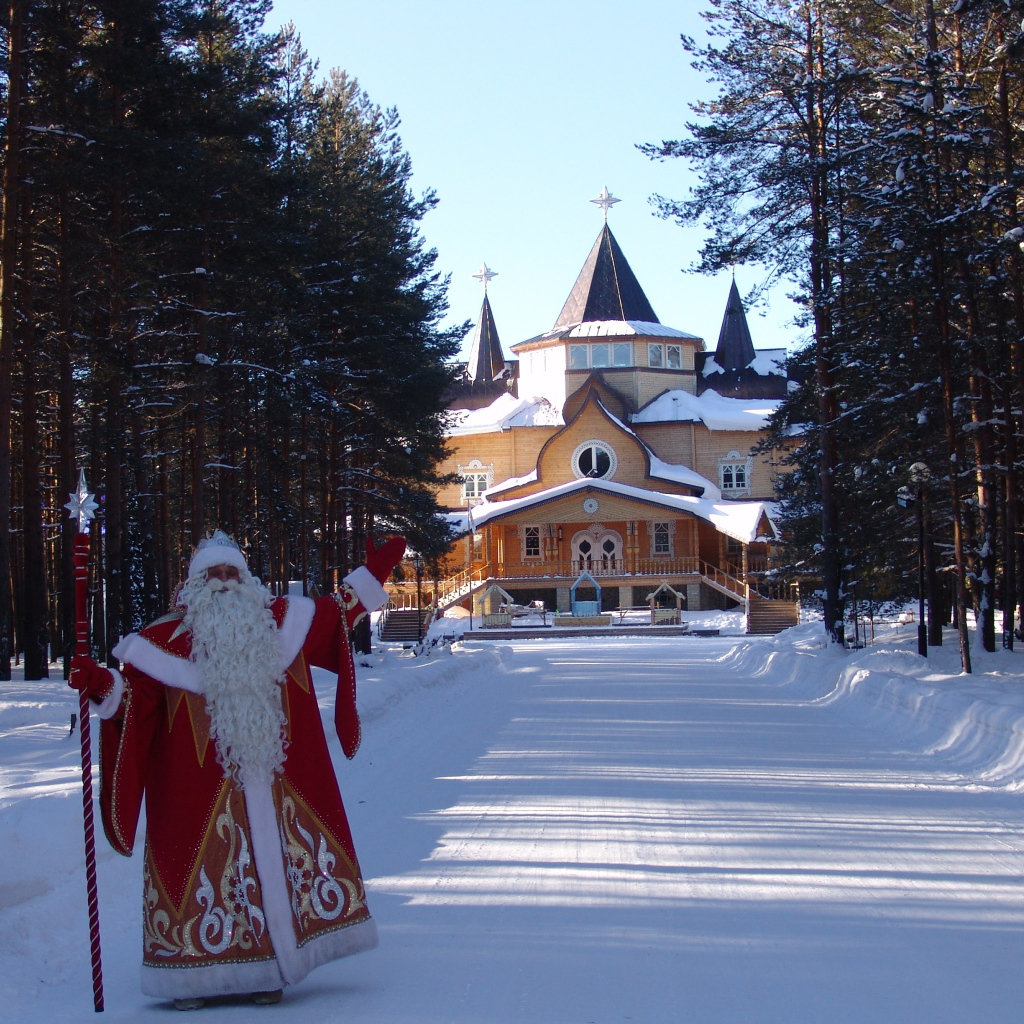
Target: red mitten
point(86, 675)
point(380, 561)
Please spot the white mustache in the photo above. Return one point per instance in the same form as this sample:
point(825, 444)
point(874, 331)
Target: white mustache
point(220, 586)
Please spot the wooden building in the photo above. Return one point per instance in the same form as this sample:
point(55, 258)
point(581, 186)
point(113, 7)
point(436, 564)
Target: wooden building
point(616, 444)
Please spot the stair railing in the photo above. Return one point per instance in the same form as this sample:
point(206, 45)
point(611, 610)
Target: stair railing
point(386, 610)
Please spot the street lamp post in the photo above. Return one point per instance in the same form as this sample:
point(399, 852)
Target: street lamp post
point(919, 476)
point(418, 565)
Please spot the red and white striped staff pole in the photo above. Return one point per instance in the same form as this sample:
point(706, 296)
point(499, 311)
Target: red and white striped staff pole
point(83, 508)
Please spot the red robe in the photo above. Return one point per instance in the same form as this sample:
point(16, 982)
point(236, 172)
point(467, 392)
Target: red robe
point(246, 889)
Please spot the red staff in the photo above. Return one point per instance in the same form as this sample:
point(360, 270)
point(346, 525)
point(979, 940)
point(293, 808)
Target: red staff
point(83, 508)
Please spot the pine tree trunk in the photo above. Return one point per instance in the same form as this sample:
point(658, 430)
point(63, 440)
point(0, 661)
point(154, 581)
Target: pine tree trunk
point(1013, 578)
point(825, 359)
point(984, 459)
point(9, 217)
point(67, 475)
point(35, 625)
point(113, 525)
point(941, 291)
point(150, 603)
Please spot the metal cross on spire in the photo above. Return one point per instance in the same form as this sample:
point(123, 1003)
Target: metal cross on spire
point(606, 201)
point(484, 274)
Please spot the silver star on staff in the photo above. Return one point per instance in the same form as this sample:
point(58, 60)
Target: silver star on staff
point(484, 274)
point(81, 506)
point(605, 200)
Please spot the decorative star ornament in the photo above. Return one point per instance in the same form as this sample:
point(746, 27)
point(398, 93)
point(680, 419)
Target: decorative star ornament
point(606, 201)
point(81, 506)
point(484, 274)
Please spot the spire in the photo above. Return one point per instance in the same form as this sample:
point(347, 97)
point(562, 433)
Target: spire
point(735, 348)
point(486, 361)
point(606, 289)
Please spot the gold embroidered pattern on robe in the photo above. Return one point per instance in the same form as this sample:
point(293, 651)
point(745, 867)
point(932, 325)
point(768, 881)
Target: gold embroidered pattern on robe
point(221, 917)
point(324, 885)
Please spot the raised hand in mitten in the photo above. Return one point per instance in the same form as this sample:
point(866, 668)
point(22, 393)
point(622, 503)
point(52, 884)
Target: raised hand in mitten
point(380, 561)
point(86, 675)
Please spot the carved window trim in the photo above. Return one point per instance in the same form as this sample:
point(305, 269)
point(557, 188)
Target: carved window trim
point(596, 443)
point(531, 532)
point(480, 476)
point(734, 473)
point(663, 530)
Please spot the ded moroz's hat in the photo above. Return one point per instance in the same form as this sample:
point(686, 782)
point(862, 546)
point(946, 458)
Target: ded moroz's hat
point(216, 548)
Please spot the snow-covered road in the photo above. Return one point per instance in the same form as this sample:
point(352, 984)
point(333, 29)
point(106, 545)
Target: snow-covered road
point(606, 831)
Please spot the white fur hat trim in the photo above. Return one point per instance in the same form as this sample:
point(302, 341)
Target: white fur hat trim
point(219, 549)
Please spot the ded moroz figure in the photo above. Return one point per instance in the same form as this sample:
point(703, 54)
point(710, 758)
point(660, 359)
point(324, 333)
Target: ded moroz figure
point(250, 877)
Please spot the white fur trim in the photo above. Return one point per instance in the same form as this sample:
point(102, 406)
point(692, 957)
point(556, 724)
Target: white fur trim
point(368, 588)
point(265, 833)
point(210, 980)
point(356, 938)
point(107, 707)
point(173, 671)
point(209, 555)
point(293, 963)
point(298, 617)
point(163, 667)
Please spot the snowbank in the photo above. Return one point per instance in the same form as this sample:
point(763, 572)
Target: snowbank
point(972, 724)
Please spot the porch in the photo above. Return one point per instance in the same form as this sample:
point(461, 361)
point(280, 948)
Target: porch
point(615, 574)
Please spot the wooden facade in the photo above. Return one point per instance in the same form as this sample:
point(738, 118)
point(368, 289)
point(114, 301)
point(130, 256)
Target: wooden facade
point(636, 495)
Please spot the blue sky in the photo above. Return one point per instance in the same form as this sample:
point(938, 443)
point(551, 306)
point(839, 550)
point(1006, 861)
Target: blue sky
point(517, 114)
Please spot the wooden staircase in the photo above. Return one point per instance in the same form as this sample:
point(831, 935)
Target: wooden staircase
point(766, 617)
point(403, 624)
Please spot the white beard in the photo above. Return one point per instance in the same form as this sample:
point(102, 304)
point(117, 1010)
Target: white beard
point(236, 651)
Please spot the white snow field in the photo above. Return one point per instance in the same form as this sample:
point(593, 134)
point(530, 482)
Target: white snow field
point(592, 831)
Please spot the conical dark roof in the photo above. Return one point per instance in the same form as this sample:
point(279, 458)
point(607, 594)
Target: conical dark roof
point(735, 348)
point(486, 360)
point(606, 289)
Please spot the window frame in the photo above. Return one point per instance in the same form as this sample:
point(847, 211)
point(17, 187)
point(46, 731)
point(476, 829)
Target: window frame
point(532, 530)
point(573, 350)
point(482, 476)
point(660, 543)
point(619, 355)
point(733, 466)
point(662, 530)
point(594, 442)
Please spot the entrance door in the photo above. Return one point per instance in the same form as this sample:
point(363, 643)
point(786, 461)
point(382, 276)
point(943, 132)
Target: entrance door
point(599, 550)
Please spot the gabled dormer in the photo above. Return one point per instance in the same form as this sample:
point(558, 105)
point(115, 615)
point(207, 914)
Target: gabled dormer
point(597, 444)
point(736, 369)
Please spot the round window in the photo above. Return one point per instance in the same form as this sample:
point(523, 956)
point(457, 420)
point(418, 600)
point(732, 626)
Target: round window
point(594, 459)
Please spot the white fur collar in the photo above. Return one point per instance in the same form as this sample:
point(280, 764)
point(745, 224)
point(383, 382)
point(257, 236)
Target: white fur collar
point(171, 670)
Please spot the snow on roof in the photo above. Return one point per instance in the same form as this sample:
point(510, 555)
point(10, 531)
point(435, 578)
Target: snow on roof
point(770, 360)
point(667, 470)
point(504, 412)
point(710, 408)
point(510, 483)
point(736, 519)
point(613, 329)
point(766, 361)
point(683, 475)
